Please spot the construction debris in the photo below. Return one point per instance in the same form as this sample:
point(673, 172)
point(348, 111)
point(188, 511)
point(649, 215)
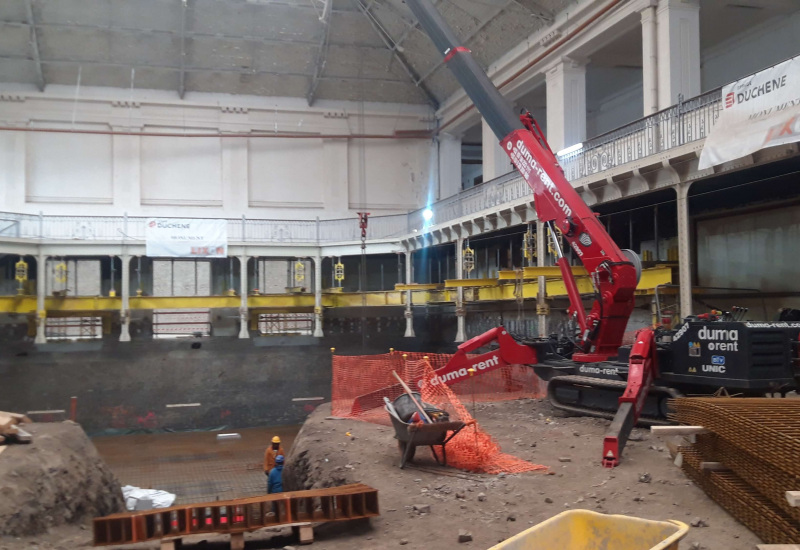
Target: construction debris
point(744, 457)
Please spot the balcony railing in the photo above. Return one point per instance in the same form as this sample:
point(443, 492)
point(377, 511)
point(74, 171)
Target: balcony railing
point(680, 124)
point(683, 123)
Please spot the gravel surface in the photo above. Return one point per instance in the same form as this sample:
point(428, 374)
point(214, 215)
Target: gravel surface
point(422, 507)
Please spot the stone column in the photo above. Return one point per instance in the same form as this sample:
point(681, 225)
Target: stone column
point(449, 165)
point(495, 160)
point(684, 250)
point(461, 312)
point(41, 314)
point(244, 329)
point(678, 50)
point(408, 313)
point(566, 104)
point(125, 311)
point(650, 59)
point(318, 297)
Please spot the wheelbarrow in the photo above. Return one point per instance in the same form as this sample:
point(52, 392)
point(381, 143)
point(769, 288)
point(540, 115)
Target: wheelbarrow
point(412, 435)
point(587, 530)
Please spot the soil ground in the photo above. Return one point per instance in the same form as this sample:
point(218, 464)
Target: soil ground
point(324, 455)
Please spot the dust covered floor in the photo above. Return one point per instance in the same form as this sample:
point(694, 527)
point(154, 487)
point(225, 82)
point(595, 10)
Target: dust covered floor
point(194, 465)
point(490, 507)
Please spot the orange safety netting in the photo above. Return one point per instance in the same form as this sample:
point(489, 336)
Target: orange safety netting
point(361, 382)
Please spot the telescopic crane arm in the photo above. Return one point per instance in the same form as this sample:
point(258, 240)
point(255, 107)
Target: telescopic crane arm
point(613, 273)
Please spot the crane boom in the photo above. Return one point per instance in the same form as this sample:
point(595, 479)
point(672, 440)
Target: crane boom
point(613, 272)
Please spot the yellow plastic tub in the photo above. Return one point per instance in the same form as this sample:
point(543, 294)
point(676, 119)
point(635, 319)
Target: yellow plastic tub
point(586, 530)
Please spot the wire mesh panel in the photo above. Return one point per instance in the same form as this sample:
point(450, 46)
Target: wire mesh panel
point(181, 323)
point(73, 328)
point(286, 323)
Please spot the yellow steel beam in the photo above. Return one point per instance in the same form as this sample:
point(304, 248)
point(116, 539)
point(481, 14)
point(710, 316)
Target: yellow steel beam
point(546, 271)
point(416, 286)
point(479, 290)
point(455, 283)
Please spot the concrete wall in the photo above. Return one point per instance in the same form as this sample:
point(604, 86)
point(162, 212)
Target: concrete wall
point(753, 250)
point(754, 50)
point(88, 174)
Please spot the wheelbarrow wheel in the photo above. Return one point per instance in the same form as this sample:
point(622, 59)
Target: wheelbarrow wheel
point(402, 446)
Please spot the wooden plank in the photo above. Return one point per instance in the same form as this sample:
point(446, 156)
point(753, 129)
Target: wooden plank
point(305, 534)
point(778, 547)
point(672, 447)
point(677, 430)
point(713, 466)
point(20, 418)
point(793, 498)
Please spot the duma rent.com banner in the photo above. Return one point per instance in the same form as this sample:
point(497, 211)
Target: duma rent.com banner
point(759, 111)
point(186, 238)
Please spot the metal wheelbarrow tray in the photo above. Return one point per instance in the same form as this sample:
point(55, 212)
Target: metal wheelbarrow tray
point(412, 435)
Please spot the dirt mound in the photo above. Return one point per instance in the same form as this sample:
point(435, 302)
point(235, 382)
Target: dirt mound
point(58, 478)
point(317, 462)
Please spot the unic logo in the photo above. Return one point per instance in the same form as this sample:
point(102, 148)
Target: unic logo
point(730, 100)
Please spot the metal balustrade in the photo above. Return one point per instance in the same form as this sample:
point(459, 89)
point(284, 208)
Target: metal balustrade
point(683, 123)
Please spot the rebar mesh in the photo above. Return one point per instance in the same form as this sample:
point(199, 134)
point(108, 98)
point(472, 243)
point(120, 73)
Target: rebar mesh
point(767, 428)
point(771, 482)
point(741, 500)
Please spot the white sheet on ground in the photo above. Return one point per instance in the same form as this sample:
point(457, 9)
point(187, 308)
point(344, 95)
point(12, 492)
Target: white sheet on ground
point(160, 499)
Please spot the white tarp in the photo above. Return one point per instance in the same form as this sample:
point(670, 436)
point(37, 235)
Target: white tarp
point(158, 499)
point(762, 110)
point(186, 238)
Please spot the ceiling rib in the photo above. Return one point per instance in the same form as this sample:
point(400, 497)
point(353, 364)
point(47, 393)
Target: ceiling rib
point(182, 76)
point(322, 53)
point(34, 40)
point(466, 40)
point(536, 9)
point(89, 63)
point(243, 38)
point(392, 47)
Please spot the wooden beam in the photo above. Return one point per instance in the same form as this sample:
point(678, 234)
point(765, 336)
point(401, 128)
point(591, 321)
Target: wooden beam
point(793, 498)
point(778, 547)
point(677, 430)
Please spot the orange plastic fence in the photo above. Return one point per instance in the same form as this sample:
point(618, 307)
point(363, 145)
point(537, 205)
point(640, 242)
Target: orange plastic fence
point(355, 377)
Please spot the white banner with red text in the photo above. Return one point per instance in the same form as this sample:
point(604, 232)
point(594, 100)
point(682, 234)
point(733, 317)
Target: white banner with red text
point(759, 111)
point(186, 238)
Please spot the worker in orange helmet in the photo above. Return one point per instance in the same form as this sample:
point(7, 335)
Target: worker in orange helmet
point(272, 451)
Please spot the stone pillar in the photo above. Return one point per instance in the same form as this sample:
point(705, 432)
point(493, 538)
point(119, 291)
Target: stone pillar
point(409, 314)
point(318, 297)
point(684, 250)
point(125, 311)
point(678, 50)
point(461, 312)
point(449, 165)
point(542, 309)
point(566, 104)
point(244, 329)
point(495, 160)
point(650, 59)
point(41, 314)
